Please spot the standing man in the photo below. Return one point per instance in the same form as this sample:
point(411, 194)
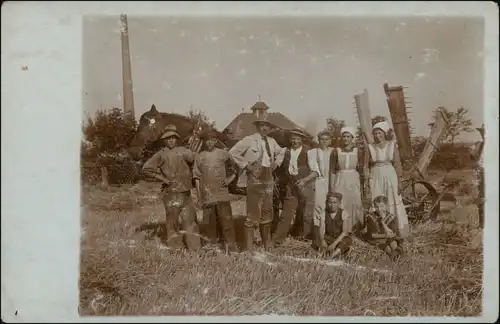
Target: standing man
point(258, 155)
point(211, 179)
point(298, 186)
point(171, 165)
point(320, 161)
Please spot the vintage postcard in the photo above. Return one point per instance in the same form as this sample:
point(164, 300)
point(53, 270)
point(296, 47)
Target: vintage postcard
point(249, 161)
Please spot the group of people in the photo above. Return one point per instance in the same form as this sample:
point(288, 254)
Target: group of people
point(319, 190)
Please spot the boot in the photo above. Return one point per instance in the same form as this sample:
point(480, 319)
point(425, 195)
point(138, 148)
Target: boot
point(307, 233)
point(265, 233)
point(316, 244)
point(229, 235)
point(249, 234)
point(231, 248)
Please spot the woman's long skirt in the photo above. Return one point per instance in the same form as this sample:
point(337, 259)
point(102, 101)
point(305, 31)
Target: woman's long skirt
point(384, 182)
point(348, 184)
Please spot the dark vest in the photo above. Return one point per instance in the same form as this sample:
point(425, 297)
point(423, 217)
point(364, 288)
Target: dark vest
point(334, 227)
point(303, 168)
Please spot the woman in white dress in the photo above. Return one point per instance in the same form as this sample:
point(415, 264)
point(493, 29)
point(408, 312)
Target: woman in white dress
point(320, 160)
point(347, 161)
point(385, 175)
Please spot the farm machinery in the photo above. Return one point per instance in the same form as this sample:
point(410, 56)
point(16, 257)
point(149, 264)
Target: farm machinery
point(421, 199)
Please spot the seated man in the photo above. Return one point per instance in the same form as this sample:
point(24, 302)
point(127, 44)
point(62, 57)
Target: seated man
point(333, 234)
point(381, 228)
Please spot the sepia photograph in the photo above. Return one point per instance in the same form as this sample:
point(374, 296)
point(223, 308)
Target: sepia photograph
point(290, 166)
point(249, 162)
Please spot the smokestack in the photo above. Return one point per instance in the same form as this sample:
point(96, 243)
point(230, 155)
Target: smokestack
point(128, 94)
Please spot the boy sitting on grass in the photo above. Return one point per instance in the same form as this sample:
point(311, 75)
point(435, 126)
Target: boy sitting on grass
point(381, 229)
point(333, 235)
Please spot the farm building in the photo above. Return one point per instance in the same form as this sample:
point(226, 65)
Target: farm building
point(242, 125)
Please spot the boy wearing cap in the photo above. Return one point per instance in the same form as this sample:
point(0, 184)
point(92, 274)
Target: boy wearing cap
point(258, 155)
point(212, 173)
point(171, 165)
point(381, 229)
point(333, 235)
point(297, 186)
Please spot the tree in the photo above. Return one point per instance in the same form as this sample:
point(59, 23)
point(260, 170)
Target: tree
point(108, 132)
point(334, 125)
point(378, 119)
point(458, 122)
point(418, 144)
point(106, 138)
point(198, 115)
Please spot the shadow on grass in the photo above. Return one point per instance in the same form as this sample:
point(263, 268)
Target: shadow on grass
point(154, 230)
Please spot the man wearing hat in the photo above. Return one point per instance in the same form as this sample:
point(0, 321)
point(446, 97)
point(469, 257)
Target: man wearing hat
point(258, 155)
point(212, 173)
point(171, 165)
point(298, 183)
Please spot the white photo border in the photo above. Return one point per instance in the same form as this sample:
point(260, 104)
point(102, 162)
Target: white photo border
point(40, 165)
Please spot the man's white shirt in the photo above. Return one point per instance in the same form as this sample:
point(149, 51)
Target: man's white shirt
point(293, 168)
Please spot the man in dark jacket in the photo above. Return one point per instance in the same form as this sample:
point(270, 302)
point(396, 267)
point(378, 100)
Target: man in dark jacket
point(297, 180)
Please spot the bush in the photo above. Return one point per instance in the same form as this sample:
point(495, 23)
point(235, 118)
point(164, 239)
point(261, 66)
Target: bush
point(106, 138)
point(448, 155)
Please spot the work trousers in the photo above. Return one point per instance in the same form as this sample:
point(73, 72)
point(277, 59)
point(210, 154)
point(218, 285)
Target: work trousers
point(218, 221)
point(259, 204)
point(180, 223)
point(295, 202)
point(344, 245)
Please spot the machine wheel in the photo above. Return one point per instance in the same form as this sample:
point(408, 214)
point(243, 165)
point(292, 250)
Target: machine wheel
point(421, 201)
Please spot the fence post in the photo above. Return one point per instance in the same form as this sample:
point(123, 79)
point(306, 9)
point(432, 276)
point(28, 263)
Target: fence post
point(104, 178)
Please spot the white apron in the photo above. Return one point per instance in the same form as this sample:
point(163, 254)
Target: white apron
point(384, 182)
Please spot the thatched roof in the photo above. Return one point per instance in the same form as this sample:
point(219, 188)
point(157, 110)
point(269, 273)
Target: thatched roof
point(242, 125)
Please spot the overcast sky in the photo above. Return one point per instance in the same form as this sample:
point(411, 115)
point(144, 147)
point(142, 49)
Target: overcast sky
point(308, 69)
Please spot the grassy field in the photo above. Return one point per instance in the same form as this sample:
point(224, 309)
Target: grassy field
point(126, 271)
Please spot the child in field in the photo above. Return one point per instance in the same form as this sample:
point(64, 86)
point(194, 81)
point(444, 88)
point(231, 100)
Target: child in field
point(381, 229)
point(211, 179)
point(333, 235)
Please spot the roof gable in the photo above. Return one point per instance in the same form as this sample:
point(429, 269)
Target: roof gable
point(242, 125)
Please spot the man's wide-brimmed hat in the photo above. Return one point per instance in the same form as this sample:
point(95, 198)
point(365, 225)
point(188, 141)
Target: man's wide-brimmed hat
point(264, 120)
point(170, 130)
point(296, 131)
